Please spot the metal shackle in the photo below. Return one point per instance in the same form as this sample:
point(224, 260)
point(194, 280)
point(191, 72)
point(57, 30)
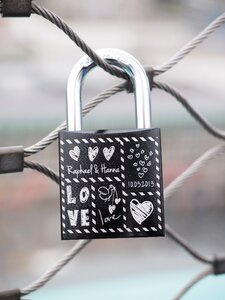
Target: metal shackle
point(126, 63)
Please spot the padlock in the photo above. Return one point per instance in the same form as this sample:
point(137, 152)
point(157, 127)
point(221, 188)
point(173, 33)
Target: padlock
point(110, 182)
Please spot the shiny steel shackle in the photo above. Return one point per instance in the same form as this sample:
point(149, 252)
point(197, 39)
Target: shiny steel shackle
point(123, 61)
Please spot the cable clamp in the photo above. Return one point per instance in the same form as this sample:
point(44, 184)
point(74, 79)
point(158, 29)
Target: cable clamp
point(219, 265)
point(11, 159)
point(15, 8)
point(10, 295)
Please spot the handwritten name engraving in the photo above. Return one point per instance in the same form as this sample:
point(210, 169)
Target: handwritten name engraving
point(93, 169)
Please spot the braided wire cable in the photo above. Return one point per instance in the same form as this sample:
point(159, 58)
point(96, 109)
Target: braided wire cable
point(75, 250)
point(191, 45)
point(108, 68)
point(184, 51)
point(186, 246)
point(52, 136)
point(42, 169)
point(56, 20)
point(193, 282)
point(211, 129)
point(193, 168)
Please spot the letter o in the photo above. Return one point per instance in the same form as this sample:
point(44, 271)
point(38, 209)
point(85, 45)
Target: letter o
point(84, 194)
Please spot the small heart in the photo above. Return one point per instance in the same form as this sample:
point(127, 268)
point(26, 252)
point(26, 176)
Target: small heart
point(142, 163)
point(149, 164)
point(137, 145)
point(142, 151)
point(108, 152)
point(117, 200)
point(92, 153)
point(132, 150)
point(138, 155)
point(146, 157)
point(130, 156)
point(150, 153)
point(135, 164)
point(112, 208)
point(141, 175)
point(138, 169)
point(75, 153)
point(145, 170)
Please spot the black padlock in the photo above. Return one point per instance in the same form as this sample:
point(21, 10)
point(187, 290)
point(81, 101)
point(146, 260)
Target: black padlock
point(111, 182)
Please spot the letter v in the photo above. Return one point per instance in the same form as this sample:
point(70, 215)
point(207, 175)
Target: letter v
point(73, 215)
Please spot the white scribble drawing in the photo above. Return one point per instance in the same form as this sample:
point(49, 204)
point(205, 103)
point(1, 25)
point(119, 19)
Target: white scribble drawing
point(92, 153)
point(146, 157)
point(132, 150)
point(137, 145)
point(84, 194)
point(70, 199)
point(141, 211)
point(130, 156)
point(108, 152)
point(109, 195)
point(135, 164)
point(138, 155)
point(75, 153)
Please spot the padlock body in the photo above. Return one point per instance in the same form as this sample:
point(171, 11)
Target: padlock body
point(111, 184)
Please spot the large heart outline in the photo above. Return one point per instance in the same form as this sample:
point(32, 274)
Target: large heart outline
point(141, 211)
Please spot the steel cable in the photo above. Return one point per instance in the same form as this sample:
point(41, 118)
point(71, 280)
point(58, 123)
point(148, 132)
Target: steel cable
point(193, 282)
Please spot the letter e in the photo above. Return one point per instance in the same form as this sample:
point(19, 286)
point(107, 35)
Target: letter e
point(85, 217)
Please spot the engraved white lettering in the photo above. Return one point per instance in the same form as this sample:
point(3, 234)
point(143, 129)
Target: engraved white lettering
point(106, 170)
point(70, 199)
point(80, 171)
point(73, 217)
point(85, 217)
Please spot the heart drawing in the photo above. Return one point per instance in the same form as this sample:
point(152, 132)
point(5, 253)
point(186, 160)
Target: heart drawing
point(108, 152)
point(75, 153)
point(140, 211)
point(112, 208)
point(92, 153)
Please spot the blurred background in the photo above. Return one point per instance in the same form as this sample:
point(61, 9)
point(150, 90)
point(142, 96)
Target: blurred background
point(35, 61)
